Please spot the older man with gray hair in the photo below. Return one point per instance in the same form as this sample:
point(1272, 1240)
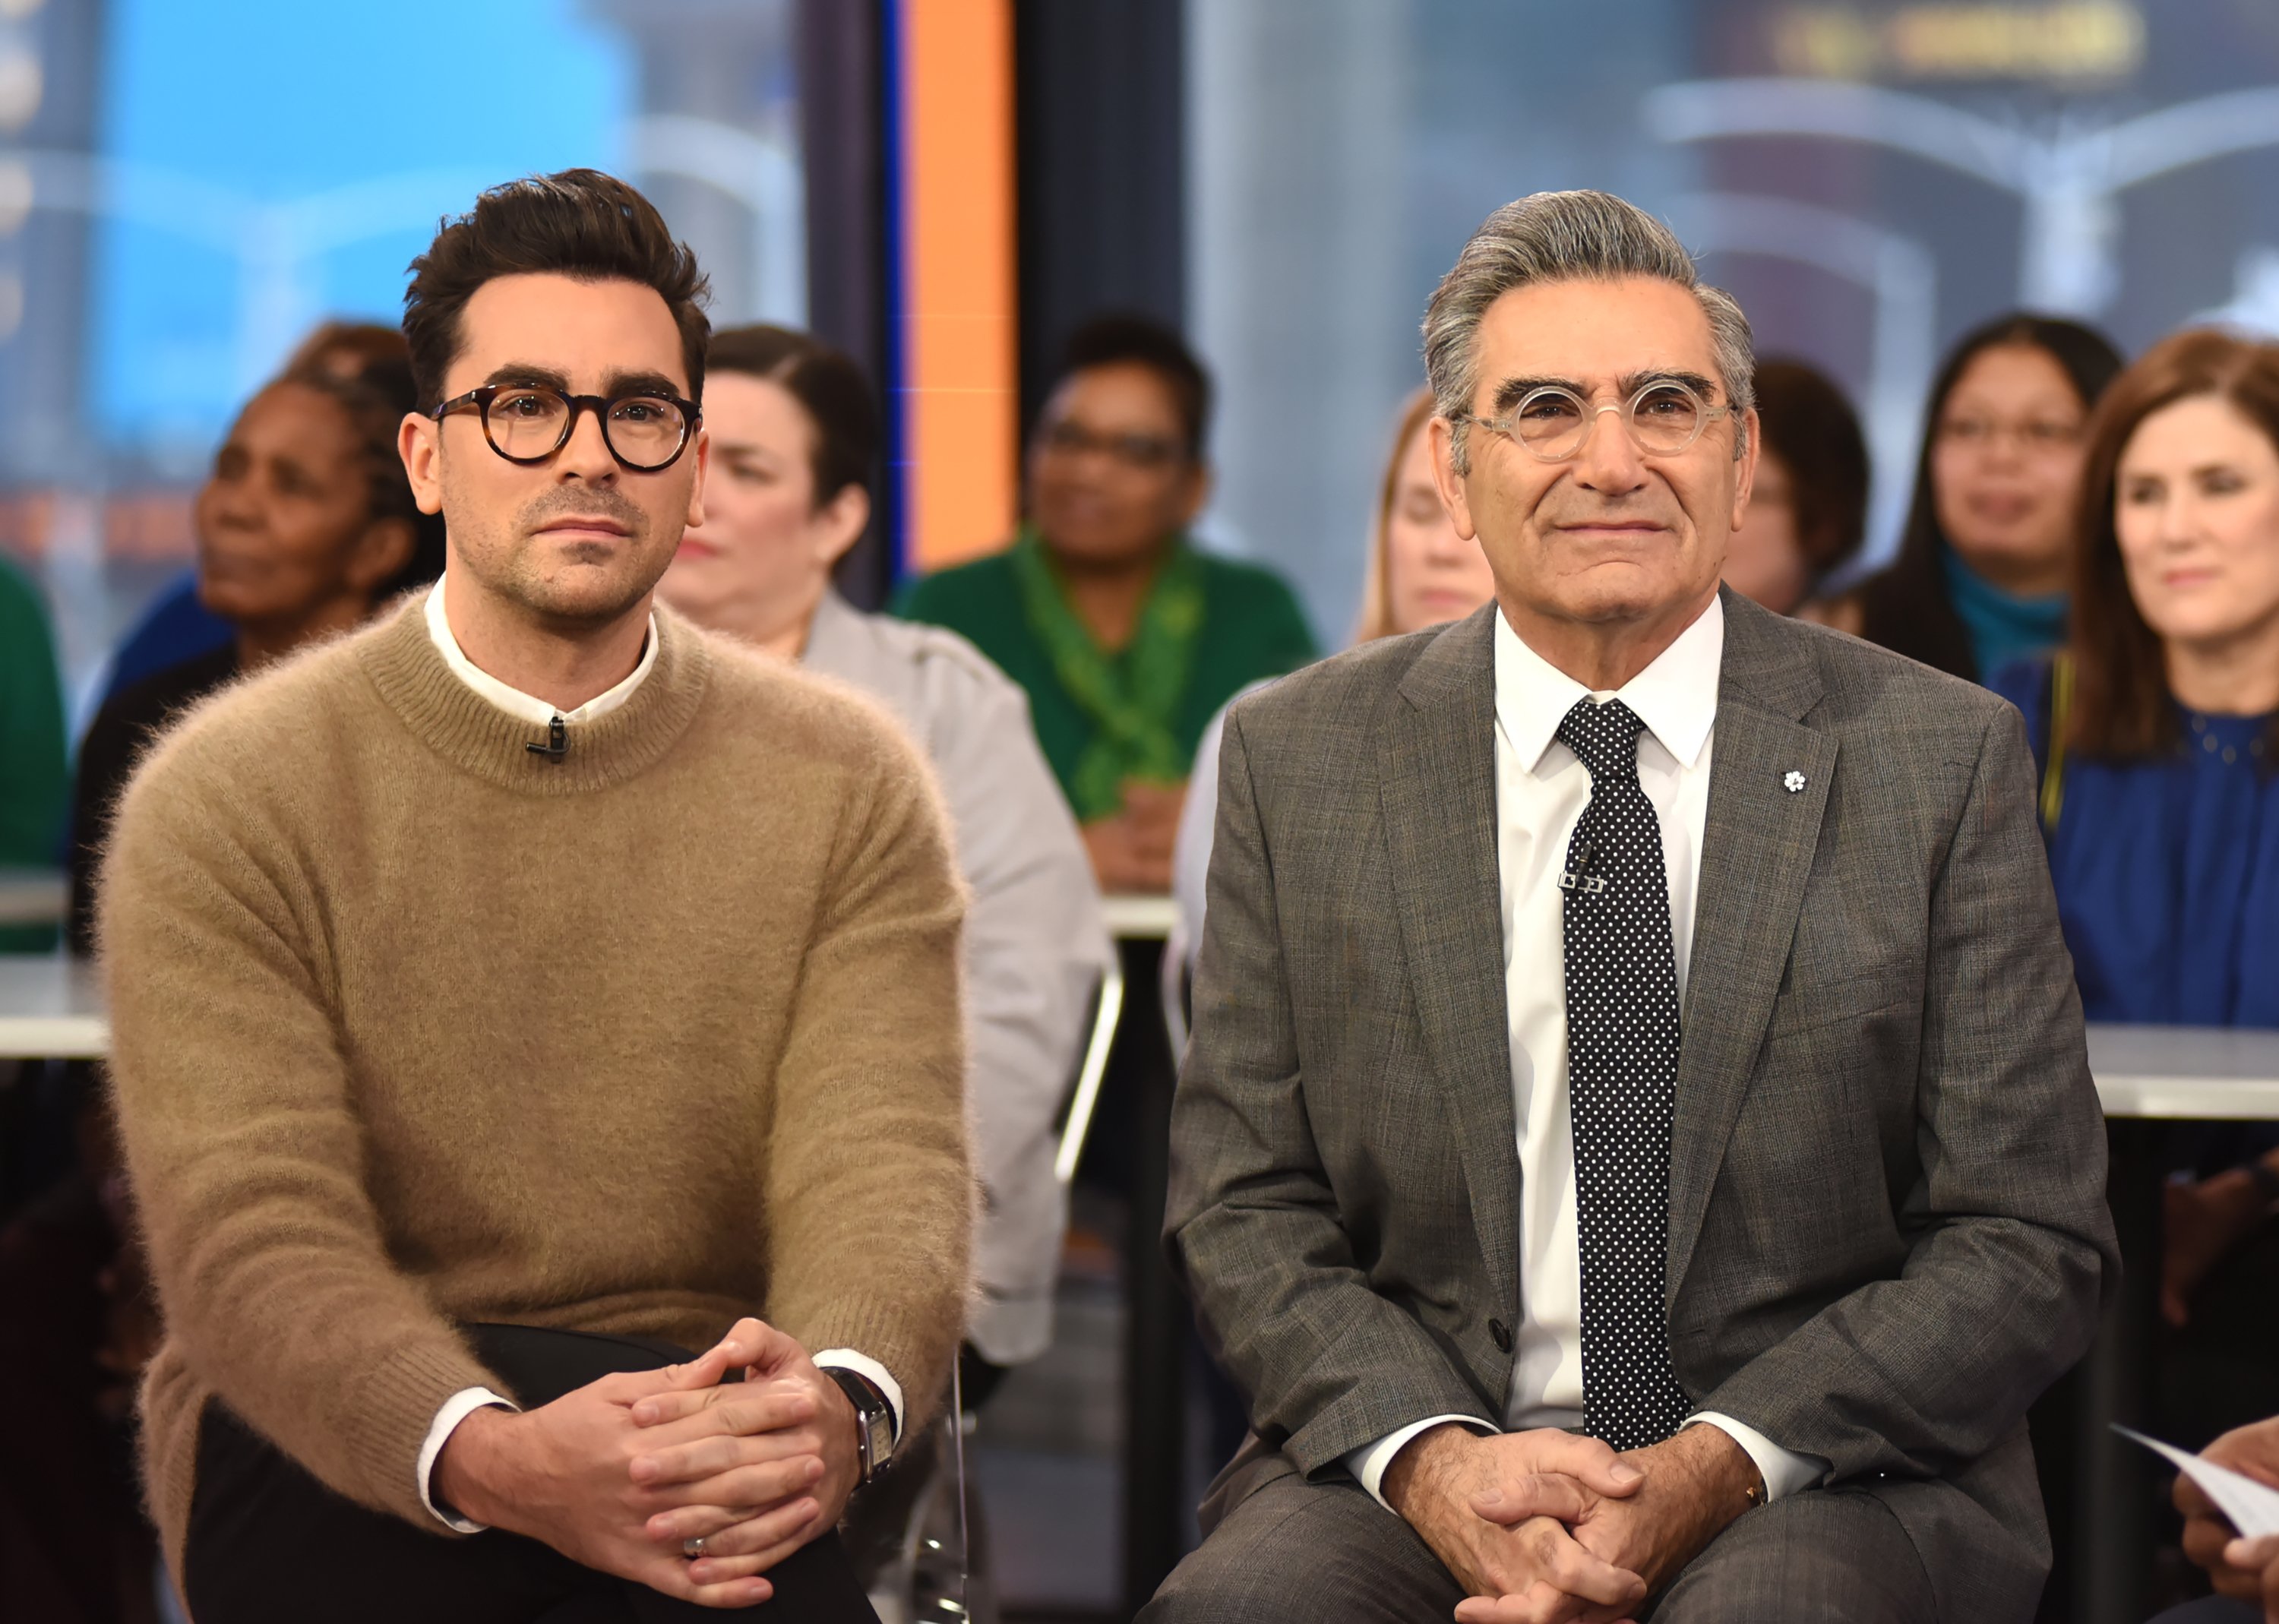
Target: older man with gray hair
point(1622, 1184)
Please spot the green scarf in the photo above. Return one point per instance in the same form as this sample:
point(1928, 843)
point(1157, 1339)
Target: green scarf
point(1131, 699)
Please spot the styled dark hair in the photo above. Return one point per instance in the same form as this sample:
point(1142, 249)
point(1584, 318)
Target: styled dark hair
point(1907, 608)
point(365, 371)
point(1122, 338)
point(1808, 424)
point(579, 223)
point(827, 385)
point(2121, 706)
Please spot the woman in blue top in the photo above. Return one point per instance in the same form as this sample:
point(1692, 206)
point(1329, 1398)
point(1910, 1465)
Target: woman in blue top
point(2157, 727)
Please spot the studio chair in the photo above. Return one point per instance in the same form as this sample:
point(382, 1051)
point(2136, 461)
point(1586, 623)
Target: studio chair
point(907, 1534)
point(1084, 1099)
point(915, 1534)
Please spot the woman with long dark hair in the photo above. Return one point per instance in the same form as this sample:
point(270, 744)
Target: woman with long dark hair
point(2157, 727)
point(1983, 568)
point(2158, 721)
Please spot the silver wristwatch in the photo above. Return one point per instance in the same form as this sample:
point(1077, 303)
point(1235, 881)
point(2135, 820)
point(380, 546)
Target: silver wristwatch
point(874, 1420)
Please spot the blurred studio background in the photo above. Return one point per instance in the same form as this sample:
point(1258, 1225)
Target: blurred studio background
point(944, 188)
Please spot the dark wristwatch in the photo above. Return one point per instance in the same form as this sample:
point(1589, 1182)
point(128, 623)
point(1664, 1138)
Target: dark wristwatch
point(874, 1420)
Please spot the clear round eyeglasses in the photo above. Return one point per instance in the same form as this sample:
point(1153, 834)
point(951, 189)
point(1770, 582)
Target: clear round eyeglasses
point(1550, 424)
point(528, 423)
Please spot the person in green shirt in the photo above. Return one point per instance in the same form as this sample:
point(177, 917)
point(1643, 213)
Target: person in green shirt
point(1127, 638)
point(34, 774)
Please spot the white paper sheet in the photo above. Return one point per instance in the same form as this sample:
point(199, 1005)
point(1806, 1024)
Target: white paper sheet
point(2252, 1507)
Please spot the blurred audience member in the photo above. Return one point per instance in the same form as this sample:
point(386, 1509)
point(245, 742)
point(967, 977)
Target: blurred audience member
point(1421, 573)
point(177, 626)
point(34, 783)
point(1808, 508)
point(1986, 556)
point(306, 525)
point(2158, 728)
point(794, 435)
point(1126, 637)
point(351, 350)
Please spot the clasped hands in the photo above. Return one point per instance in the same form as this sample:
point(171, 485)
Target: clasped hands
point(618, 1473)
point(1131, 849)
point(1547, 1528)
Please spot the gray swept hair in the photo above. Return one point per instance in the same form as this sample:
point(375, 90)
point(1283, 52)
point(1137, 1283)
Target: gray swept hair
point(1566, 237)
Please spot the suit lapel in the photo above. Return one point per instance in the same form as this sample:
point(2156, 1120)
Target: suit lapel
point(1439, 803)
point(1757, 856)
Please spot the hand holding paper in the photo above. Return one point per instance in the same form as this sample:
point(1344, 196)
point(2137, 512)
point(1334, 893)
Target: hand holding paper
point(2231, 1519)
point(2252, 1507)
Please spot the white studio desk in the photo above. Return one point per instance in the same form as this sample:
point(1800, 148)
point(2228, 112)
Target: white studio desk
point(1139, 918)
point(32, 896)
point(2185, 1073)
point(50, 1008)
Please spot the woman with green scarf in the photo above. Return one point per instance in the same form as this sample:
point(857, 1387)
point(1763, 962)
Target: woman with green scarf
point(1125, 636)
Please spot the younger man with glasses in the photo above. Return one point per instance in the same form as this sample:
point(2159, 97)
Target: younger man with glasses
point(517, 995)
point(1127, 638)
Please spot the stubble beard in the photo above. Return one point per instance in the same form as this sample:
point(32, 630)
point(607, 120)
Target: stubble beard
point(571, 585)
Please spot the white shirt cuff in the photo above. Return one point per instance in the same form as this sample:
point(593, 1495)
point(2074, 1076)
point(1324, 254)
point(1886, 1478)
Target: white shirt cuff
point(1367, 1463)
point(455, 1409)
point(1783, 1470)
point(863, 1365)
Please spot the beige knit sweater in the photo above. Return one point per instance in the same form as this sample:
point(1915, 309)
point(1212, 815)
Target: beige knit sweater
point(413, 1026)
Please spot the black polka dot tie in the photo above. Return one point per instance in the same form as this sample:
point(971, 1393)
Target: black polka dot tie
point(1622, 1081)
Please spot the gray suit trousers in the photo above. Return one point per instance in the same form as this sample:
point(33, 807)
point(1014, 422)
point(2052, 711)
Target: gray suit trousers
point(1301, 1552)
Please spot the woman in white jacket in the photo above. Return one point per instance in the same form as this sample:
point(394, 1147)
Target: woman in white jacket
point(795, 430)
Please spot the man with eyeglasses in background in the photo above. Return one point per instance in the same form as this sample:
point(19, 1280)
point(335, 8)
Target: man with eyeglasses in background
point(518, 995)
point(1127, 636)
point(1636, 1151)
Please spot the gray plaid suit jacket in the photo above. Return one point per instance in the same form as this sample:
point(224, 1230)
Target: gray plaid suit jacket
point(1887, 1223)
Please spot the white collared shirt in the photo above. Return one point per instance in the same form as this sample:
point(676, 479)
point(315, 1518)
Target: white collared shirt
point(1542, 789)
point(528, 708)
point(525, 707)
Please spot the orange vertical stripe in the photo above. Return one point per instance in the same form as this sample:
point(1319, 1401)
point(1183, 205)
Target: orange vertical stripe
point(960, 338)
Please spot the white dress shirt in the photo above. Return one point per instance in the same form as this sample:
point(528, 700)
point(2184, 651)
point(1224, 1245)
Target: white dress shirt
point(528, 708)
point(525, 707)
point(1542, 789)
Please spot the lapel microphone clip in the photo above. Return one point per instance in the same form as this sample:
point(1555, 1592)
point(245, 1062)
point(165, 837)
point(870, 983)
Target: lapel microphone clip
point(557, 743)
